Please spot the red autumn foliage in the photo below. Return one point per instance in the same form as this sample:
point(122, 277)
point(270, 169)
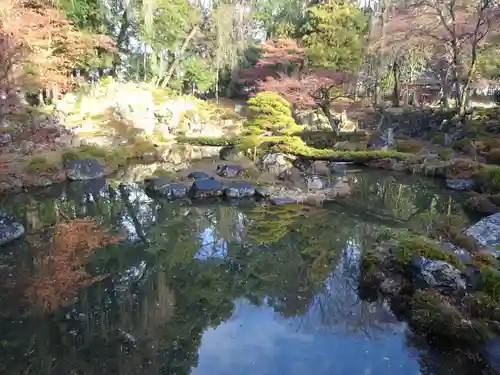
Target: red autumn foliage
point(281, 69)
point(51, 46)
point(313, 87)
point(62, 271)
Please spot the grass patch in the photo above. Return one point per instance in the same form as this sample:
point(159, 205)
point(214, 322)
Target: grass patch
point(40, 164)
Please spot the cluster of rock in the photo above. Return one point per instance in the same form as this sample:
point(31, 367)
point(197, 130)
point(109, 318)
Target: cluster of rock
point(200, 185)
point(141, 108)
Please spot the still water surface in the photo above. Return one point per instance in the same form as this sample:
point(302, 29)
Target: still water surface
point(208, 289)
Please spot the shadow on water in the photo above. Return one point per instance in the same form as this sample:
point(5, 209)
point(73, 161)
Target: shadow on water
point(207, 289)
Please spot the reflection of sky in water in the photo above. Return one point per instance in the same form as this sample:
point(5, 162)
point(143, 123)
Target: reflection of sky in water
point(338, 335)
point(258, 341)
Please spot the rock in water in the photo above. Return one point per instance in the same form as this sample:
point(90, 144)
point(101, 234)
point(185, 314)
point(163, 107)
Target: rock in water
point(174, 191)
point(155, 184)
point(437, 274)
point(80, 170)
point(239, 190)
point(199, 176)
point(487, 232)
point(206, 189)
point(460, 184)
point(230, 171)
point(10, 229)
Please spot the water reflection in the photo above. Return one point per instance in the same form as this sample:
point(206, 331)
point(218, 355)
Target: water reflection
point(209, 289)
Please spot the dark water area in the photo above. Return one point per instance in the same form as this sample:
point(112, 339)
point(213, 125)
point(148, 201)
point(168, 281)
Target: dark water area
point(209, 288)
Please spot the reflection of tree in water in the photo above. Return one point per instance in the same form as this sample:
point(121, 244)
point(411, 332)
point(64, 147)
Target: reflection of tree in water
point(149, 316)
point(405, 201)
point(59, 273)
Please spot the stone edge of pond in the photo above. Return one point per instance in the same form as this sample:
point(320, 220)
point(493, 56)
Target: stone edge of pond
point(443, 293)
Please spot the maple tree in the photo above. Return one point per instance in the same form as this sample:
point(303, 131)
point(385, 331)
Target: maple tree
point(282, 69)
point(62, 273)
point(50, 46)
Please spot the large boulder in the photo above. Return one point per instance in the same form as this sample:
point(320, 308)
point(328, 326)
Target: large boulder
point(206, 189)
point(313, 121)
point(437, 274)
point(240, 189)
point(487, 232)
point(230, 153)
point(88, 169)
point(199, 176)
point(10, 229)
point(275, 163)
point(136, 106)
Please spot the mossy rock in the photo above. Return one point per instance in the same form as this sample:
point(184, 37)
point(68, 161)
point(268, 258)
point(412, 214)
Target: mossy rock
point(488, 178)
point(436, 316)
point(481, 204)
point(410, 245)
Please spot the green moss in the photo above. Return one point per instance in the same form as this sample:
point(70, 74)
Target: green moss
point(110, 157)
point(445, 153)
point(488, 282)
point(298, 149)
point(433, 315)
point(410, 146)
point(40, 164)
point(209, 141)
point(489, 178)
point(410, 244)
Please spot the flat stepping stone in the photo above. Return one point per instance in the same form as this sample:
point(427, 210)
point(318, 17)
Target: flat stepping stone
point(239, 190)
point(200, 176)
point(174, 191)
point(10, 229)
point(206, 189)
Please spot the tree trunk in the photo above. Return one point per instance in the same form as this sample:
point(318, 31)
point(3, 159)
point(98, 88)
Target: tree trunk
point(464, 97)
point(396, 90)
point(177, 58)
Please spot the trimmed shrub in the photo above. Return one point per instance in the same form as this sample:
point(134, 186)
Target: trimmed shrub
point(269, 111)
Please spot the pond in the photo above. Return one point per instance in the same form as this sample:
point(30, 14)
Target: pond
point(179, 288)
